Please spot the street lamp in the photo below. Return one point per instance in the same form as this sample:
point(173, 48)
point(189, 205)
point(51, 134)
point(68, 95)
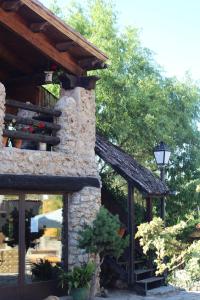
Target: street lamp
point(162, 154)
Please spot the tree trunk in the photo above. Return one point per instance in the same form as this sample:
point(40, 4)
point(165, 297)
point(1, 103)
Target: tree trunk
point(94, 278)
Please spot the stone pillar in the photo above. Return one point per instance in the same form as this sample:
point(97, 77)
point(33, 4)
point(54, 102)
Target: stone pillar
point(77, 136)
point(77, 122)
point(83, 207)
point(2, 111)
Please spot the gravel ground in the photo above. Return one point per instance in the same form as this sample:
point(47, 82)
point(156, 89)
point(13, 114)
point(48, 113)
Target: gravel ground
point(126, 295)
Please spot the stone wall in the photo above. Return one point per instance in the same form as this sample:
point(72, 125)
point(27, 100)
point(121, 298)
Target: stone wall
point(17, 161)
point(74, 156)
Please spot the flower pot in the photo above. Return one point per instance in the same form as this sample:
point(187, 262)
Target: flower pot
point(121, 232)
point(18, 143)
point(5, 141)
point(42, 146)
point(80, 294)
point(48, 76)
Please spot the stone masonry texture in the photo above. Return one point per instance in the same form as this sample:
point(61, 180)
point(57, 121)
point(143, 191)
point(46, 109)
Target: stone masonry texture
point(74, 156)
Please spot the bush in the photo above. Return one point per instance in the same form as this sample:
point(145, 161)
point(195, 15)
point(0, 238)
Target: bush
point(173, 249)
point(100, 239)
point(44, 271)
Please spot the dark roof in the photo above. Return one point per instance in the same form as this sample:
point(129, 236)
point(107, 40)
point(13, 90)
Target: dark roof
point(125, 165)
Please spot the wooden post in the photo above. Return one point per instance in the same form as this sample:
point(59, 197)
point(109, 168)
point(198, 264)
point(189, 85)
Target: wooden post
point(149, 214)
point(131, 231)
point(162, 200)
point(149, 217)
point(22, 247)
point(65, 229)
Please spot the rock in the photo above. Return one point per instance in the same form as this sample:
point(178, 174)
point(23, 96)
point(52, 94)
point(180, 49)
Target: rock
point(52, 298)
point(119, 284)
point(103, 293)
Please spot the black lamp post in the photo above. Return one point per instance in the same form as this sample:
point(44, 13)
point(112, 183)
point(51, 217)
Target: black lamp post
point(162, 154)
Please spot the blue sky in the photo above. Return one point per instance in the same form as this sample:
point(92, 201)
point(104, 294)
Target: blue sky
point(170, 28)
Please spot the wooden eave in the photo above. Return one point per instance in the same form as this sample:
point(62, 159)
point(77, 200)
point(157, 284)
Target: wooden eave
point(48, 16)
point(126, 166)
point(47, 37)
point(10, 183)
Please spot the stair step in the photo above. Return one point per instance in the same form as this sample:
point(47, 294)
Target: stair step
point(150, 279)
point(142, 271)
point(141, 274)
point(150, 283)
point(136, 262)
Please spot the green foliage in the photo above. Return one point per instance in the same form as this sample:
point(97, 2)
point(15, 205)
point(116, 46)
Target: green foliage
point(137, 106)
point(44, 271)
point(79, 277)
point(172, 247)
point(192, 264)
point(53, 89)
point(184, 235)
point(102, 236)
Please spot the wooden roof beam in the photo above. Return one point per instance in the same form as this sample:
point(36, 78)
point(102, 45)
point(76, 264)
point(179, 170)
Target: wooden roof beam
point(92, 64)
point(64, 46)
point(10, 6)
point(39, 27)
point(45, 13)
point(46, 183)
point(17, 24)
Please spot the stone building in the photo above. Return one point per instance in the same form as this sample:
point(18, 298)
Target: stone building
point(33, 42)
point(47, 153)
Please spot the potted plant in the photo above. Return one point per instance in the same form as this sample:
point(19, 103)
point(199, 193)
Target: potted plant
point(78, 280)
point(101, 238)
point(44, 271)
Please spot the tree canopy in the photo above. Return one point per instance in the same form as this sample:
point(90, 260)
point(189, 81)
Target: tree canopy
point(137, 106)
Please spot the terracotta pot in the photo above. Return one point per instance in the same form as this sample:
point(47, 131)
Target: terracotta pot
point(5, 141)
point(18, 143)
point(121, 232)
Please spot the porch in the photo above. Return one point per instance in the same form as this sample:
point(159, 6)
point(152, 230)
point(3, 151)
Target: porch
point(138, 272)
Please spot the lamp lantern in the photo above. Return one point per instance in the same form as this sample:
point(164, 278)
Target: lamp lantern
point(162, 154)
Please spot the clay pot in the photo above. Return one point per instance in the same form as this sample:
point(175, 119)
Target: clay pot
point(121, 232)
point(5, 141)
point(18, 143)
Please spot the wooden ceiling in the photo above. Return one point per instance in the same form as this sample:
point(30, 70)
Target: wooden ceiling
point(32, 39)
